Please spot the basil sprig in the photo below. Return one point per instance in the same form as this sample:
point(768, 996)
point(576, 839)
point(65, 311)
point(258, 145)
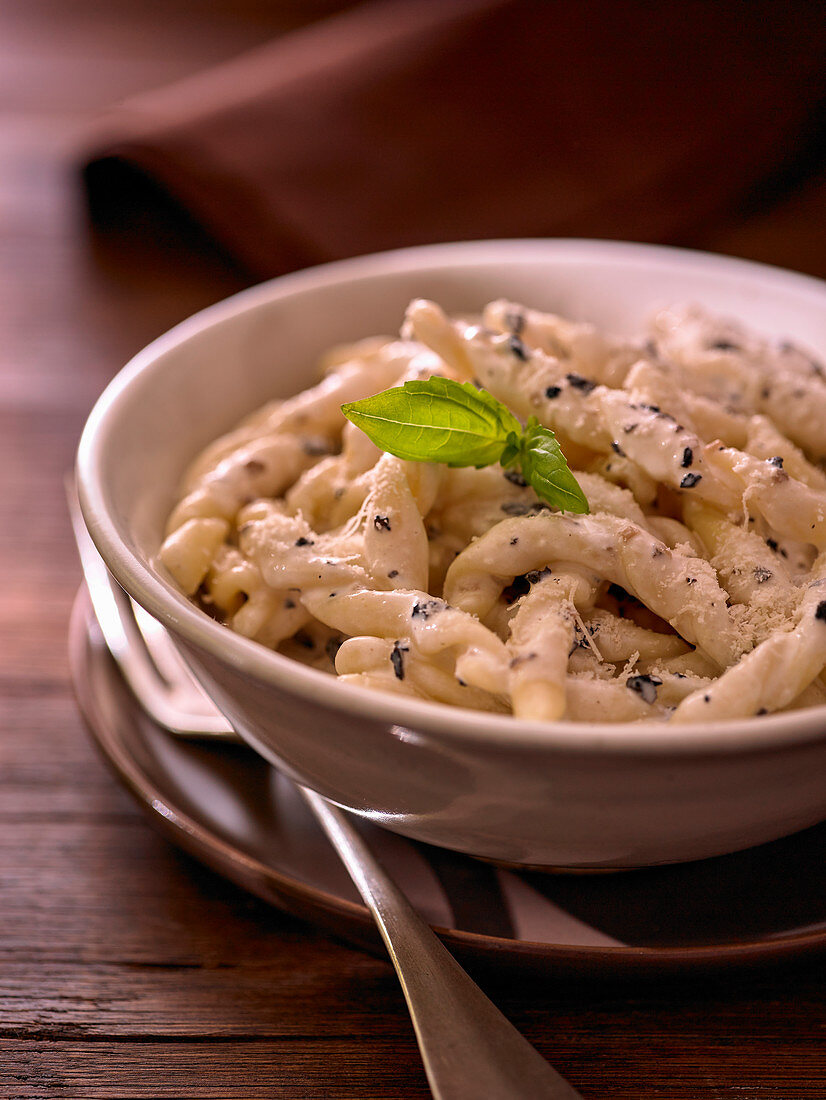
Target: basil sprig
point(439, 420)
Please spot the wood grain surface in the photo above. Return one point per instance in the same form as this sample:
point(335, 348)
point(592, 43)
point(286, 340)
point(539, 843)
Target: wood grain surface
point(127, 970)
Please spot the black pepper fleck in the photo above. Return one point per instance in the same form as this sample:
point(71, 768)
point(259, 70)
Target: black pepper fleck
point(762, 574)
point(381, 523)
point(820, 611)
point(777, 461)
point(688, 457)
point(521, 659)
point(515, 321)
point(426, 609)
point(515, 478)
point(302, 541)
point(688, 481)
point(646, 686)
point(397, 659)
point(584, 385)
point(512, 592)
point(553, 391)
point(315, 448)
point(537, 575)
point(518, 348)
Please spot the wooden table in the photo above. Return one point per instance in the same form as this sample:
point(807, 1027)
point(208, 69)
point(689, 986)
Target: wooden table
point(127, 970)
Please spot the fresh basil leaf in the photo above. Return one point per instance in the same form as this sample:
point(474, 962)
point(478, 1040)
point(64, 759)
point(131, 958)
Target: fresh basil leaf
point(513, 450)
point(546, 471)
point(436, 420)
point(440, 420)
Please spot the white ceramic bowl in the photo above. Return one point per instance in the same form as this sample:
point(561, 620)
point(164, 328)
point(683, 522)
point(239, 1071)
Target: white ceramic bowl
point(563, 795)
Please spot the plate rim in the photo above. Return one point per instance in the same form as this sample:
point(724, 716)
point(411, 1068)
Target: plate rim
point(186, 832)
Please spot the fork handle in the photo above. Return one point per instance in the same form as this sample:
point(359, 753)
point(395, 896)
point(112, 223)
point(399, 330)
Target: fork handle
point(468, 1048)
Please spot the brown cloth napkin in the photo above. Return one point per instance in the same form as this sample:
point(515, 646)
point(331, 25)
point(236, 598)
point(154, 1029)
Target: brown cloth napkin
point(403, 122)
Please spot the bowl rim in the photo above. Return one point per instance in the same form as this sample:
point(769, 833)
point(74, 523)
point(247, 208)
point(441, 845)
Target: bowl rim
point(438, 720)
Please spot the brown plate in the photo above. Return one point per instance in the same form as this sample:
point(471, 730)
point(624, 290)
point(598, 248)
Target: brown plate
point(231, 810)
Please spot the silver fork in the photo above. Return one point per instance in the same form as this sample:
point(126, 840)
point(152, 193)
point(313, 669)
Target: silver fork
point(468, 1048)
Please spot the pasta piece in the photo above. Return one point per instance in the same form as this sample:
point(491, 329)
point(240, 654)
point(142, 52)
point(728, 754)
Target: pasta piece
point(593, 700)
point(235, 588)
point(382, 679)
point(673, 585)
point(673, 687)
point(620, 639)
point(290, 554)
point(431, 624)
point(774, 673)
point(264, 467)
point(619, 470)
point(253, 427)
point(472, 501)
point(395, 541)
point(430, 679)
point(690, 665)
point(612, 499)
point(798, 408)
point(586, 350)
point(749, 371)
point(812, 696)
point(314, 644)
point(766, 442)
point(334, 489)
point(786, 504)
point(676, 535)
point(188, 553)
point(752, 574)
point(543, 632)
point(670, 388)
